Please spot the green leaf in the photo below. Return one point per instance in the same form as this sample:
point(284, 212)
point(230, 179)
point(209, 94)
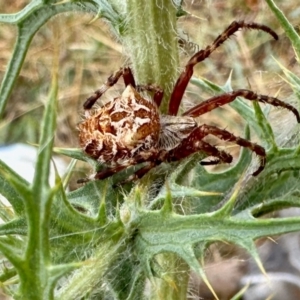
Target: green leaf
point(287, 26)
point(16, 226)
point(8, 190)
point(12, 250)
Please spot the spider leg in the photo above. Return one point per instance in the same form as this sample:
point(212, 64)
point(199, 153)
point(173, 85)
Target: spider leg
point(140, 173)
point(128, 77)
point(158, 92)
point(227, 136)
point(150, 159)
point(201, 55)
point(210, 162)
point(108, 172)
point(111, 81)
point(194, 143)
point(103, 174)
point(223, 99)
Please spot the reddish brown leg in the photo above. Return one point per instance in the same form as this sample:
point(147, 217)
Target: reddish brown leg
point(151, 161)
point(102, 174)
point(227, 136)
point(128, 77)
point(111, 81)
point(108, 172)
point(158, 92)
point(194, 143)
point(223, 99)
point(186, 75)
point(140, 173)
point(111, 171)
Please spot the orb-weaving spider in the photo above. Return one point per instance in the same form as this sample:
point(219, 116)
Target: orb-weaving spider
point(130, 130)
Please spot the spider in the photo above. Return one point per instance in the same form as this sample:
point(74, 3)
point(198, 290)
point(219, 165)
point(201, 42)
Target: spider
point(130, 130)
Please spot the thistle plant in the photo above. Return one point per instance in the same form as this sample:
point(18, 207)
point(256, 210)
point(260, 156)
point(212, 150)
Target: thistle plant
point(109, 241)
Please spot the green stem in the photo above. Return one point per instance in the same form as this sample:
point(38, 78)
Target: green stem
point(150, 41)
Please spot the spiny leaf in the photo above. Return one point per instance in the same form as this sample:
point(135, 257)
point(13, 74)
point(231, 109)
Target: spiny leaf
point(92, 272)
point(42, 170)
point(12, 252)
point(266, 129)
point(16, 226)
point(158, 233)
point(8, 190)
point(96, 190)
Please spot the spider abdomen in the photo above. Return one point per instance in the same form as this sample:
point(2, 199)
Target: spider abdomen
point(122, 129)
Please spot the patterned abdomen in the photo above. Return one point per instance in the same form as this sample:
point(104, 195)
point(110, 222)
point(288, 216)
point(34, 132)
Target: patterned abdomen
point(122, 129)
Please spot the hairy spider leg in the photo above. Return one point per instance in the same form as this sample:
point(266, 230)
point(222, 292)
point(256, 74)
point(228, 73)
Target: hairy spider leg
point(111, 81)
point(187, 73)
point(108, 172)
point(158, 92)
point(128, 77)
point(141, 172)
point(183, 150)
point(103, 174)
point(194, 143)
point(227, 136)
point(225, 98)
point(152, 162)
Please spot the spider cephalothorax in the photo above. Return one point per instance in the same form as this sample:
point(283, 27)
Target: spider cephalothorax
point(130, 130)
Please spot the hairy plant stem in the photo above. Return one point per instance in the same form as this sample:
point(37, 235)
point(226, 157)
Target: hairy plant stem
point(150, 41)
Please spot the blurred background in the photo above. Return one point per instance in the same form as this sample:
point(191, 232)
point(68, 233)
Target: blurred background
point(89, 54)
